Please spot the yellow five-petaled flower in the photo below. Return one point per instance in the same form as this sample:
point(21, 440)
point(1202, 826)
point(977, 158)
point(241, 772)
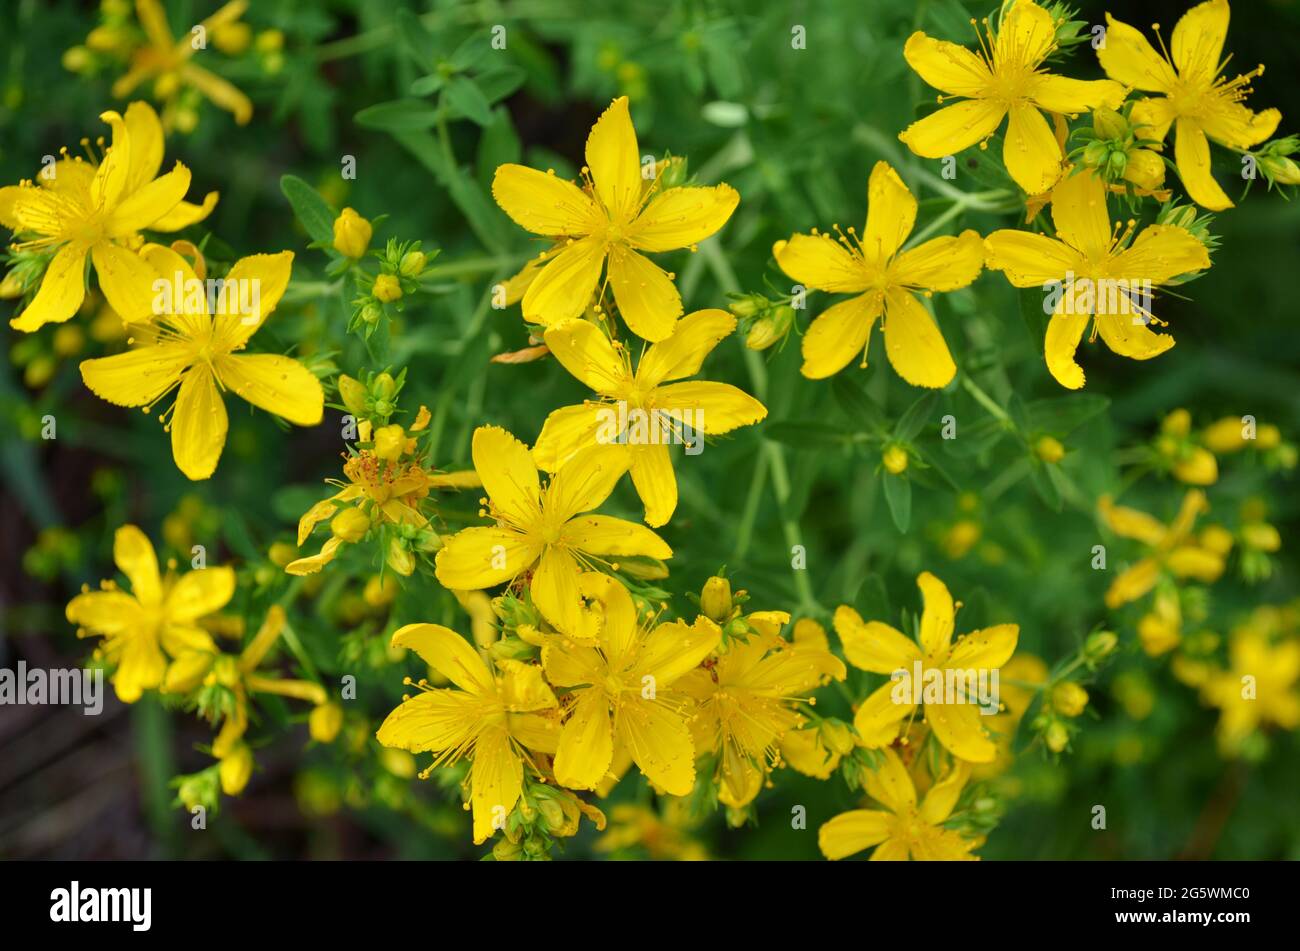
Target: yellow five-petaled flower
point(614, 218)
point(885, 280)
point(198, 352)
point(1197, 99)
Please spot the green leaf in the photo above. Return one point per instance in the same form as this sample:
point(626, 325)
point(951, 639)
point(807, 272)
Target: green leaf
point(399, 115)
point(898, 494)
point(466, 99)
point(485, 219)
point(1031, 312)
point(311, 209)
point(1063, 414)
point(857, 405)
point(1045, 485)
point(916, 416)
point(499, 83)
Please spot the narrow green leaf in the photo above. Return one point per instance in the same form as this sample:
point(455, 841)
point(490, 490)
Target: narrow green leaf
point(310, 208)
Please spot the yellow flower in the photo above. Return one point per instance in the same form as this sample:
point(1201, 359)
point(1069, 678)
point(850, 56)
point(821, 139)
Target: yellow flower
point(96, 210)
point(881, 649)
point(167, 61)
point(1198, 100)
point(885, 282)
point(352, 234)
point(612, 218)
point(1259, 689)
point(383, 493)
point(492, 719)
point(198, 352)
point(542, 530)
point(325, 721)
point(1171, 548)
point(638, 415)
point(664, 836)
point(902, 830)
point(1098, 273)
point(620, 693)
point(158, 618)
point(1005, 79)
point(747, 699)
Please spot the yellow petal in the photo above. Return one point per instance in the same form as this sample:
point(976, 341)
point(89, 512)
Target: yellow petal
point(891, 213)
point(133, 553)
point(9, 198)
point(683, 353)
point(1128, 58)
point(605, 535)
point(889, 784)
point(1135, 581)
point(1159, 253)
point(137, 377)
point(1025, 36)
point(879, 720)
point(615, 161)
point(198, 424)
point(496, 781)
point(63, 289)
point(564, 287)
point(953, 128)
point(105, 612)
point(221, 93)
point(1073, 96)
point(567, 431)
point(1030, 151)
point(482, 557)
point(277, 384)
point(522, 687)
point(937, 615)
point(586, 743)
point(140, 667)
point(1061, 342)
point(113, 174)
point(946, 66)
point(1235, 126)
point(1197, 42)
point(126, 279)
point(851, 832)
point(509, 474)
point(1029, 260)
point(646, 295)
point(586, 352)
point(913, 343)
point(839, 334)
point(681, 217)
point(199, 593)
point(585, 481)
point(1152, 118)
point(1128, 335)
point(240, 311)
point(873, 646)
point(957, 726)
point(554, 589)
point(1130, 523)
point(942, 264)
point(656, 483)
point(141, 208)
point(431, 720)
point(1192, 156)
point(714, 408)
point(185, 214)
point(942, 797)
point(660, 744)
point(673, 648)
point(1079, 213)
point(314, 563)
point(985, 649)
point(544, 203)
point(1190, 562)
point(448, 653)
point(821, 263)
point(146, 134)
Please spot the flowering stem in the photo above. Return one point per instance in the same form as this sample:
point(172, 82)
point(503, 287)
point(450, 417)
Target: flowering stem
point(996, 411)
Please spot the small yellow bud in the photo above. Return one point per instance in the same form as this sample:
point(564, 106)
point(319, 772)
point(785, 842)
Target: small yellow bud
point(1108, 124)
point(379, 593)
point(352, 234)
point(232, 38)
point(412, 264)
point(1177, 423)
point(1217, 539)
point(1267, 436)
point(1100, 644)
point(281, 553)
point(1049, 449)
point(1261, 536)
point(390, 440)
point(1057, 736)
point(1225, 435)
point(68, 340)
point(399, 558)
point(353, 395)
point(838, 736)
point(398, 762)
point(895, 459)
point(1069, 699)
point(350, 525)
point(325, 721)
point(187, 671)
point(270, 41)
point(236, 769)
point(762, 334)
point(715, 599)
point(1197, 467)
point(10, 287)
point(387, 288)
